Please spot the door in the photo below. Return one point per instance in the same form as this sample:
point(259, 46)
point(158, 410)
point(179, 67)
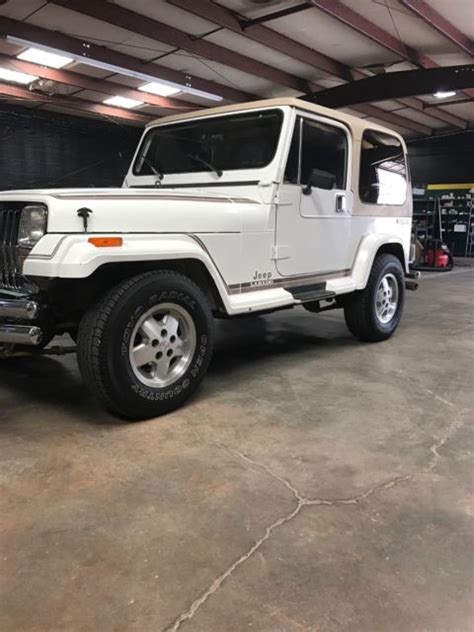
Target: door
point(315, 206)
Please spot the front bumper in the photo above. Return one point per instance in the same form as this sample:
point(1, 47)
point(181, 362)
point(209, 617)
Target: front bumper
point(17, 316)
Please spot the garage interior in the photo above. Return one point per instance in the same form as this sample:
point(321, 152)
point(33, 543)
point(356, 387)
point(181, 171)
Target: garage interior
point(314, 483)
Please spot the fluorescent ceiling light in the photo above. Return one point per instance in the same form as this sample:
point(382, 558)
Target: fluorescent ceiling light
point(123, 102)
point(161, 89)
point(83, 59)
point(16, 77)
point(441, 94)
point(44, 58)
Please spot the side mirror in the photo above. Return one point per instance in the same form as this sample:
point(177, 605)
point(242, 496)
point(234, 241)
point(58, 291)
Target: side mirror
point(320, 180)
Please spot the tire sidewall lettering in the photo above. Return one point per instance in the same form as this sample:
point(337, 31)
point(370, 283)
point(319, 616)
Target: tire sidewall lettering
point(161, 395)
point(127, 332)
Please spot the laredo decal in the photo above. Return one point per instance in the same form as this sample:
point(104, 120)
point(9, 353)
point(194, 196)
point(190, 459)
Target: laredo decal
point(264, 280)
point(261, 278)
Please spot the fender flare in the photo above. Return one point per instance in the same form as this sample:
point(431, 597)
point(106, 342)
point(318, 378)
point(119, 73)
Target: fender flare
point(366, 253)
point(73, 257)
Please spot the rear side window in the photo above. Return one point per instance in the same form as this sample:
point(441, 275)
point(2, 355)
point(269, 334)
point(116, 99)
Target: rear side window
point(383, 172)
point(316, 145)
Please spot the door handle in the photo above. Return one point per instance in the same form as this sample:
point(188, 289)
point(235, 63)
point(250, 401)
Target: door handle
point(341, 203)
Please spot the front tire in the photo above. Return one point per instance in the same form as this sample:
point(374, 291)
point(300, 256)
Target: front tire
point(145, 348)
point(373, 314)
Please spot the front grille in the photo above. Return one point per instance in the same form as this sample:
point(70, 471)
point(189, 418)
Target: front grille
point(10, 273)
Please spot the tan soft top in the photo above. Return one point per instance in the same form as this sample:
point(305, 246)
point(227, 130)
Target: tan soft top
point(357, 125)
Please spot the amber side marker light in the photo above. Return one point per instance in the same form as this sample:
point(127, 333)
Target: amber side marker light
point(106, 242)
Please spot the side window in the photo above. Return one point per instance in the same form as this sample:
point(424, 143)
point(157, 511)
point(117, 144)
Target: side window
point(324, 147)
point(383, 172)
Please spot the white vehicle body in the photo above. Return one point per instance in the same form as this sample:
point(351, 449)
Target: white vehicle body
point(257, 236)
point(229, 211)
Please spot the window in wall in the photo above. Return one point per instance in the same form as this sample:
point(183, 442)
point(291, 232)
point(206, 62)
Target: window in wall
point(322, 147)
point(383, 172)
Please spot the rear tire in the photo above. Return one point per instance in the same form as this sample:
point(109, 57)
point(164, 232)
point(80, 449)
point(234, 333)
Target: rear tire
point(144, 349)
point(373, 314)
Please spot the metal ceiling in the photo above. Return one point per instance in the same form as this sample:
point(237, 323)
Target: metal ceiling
point(240, 50)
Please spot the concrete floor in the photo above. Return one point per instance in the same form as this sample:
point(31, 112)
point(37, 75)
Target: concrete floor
point(314, 484)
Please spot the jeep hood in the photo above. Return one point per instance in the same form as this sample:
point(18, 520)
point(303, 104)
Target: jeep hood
point(123, 210)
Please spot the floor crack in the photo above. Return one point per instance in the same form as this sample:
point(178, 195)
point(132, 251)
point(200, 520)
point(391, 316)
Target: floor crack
point(262, 466)
point(302, 501)
point(216, 584)
point(453, 427)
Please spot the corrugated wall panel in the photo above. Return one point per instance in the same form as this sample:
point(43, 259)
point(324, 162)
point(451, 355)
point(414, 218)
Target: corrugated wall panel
point(45, 149)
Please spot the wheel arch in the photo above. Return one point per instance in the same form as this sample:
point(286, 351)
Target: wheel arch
point(394, 248)
point(370, 247)
point(82, 271)
point(84, 292)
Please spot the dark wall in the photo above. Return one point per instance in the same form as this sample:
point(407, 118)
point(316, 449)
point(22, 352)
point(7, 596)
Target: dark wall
point(45, 149)
point(442, 159)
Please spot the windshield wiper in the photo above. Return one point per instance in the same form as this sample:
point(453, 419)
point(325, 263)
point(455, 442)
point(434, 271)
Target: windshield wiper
point(159, 174)
point(218, 172)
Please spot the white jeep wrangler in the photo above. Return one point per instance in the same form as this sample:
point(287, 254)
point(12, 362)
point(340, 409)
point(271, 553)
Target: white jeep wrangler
point(234, 210)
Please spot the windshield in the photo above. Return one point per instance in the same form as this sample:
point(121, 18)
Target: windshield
point(224, 143)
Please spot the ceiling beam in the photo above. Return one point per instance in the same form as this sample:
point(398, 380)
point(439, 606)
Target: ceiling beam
point(75, 46)
point(391, 85)
point(393, 118)
point(124, 18)
point(158, 31)
point(88, 50)
point(274, 15)
point(440, 115)
point(84, 82)
point(359, 23)
point(108, 111)
point(263, 35)
point(73, 103)
point(454, 101)
point(272, 39)
point(429, 15)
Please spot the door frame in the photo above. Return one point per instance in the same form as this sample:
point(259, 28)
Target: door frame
point(350, 145)
point(293, 195)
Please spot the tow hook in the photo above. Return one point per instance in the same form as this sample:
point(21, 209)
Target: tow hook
point(412, 279)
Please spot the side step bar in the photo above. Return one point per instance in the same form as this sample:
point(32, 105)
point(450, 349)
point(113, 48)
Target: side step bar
point(20, 335)
point(312, 296)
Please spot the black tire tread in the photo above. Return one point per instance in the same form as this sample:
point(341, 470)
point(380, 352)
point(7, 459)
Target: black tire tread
point(359, 305)
point(92, 363)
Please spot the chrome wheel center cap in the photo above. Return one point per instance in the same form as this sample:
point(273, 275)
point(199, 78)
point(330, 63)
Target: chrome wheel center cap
point(386, 299)
point(162, 345)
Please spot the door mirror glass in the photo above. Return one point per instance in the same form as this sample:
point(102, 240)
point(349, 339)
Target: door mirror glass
point(320, 180)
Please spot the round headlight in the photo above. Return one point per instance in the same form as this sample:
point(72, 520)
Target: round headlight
point(32, 225)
